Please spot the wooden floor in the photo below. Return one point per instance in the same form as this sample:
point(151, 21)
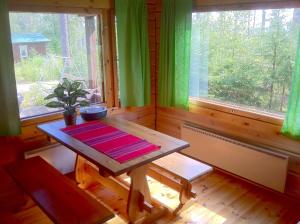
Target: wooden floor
point(221, 199)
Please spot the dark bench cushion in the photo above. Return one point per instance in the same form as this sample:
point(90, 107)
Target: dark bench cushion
point(11, 197)
point(8, 218)
point(57, 195)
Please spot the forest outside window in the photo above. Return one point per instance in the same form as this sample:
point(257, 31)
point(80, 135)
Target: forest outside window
point(48, 47)
point(244, 58)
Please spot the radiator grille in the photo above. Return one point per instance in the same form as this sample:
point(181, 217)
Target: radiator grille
point(257, 164)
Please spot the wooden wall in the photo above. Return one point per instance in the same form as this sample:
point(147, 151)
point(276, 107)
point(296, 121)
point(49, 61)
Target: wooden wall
point(260, 130)
point(85, 6)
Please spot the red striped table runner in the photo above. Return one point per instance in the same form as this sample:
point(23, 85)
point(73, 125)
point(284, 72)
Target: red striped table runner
point(111, 141)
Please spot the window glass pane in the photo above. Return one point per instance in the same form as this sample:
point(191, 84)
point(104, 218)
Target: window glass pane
point(48, 47)
point(244, 57)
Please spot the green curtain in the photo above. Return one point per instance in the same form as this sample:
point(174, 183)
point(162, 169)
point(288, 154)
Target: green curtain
point(174, 57)
point(9, 116)
point(291, 124)
point(133, 52)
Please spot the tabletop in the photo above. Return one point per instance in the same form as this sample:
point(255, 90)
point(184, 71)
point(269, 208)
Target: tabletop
point(167, 144)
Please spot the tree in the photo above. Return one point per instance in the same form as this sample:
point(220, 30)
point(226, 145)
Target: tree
point(250, 61)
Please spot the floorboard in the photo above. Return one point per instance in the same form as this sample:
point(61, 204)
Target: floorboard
point(221, 199)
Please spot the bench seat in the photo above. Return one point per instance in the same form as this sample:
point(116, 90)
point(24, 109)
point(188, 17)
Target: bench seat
point(11, 197)
point(61, 199)
point(177, 171)
point(7, 217)
point(183, 166)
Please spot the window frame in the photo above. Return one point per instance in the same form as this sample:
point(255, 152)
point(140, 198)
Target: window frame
point(271, 118)
point(236, 5)
point(106, 41)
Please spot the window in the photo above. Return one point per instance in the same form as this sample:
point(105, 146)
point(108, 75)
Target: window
point(54, 46)
point(244, 58)
point(23, 51)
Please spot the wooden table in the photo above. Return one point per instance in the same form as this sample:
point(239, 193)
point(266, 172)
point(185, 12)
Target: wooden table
point(139, 198)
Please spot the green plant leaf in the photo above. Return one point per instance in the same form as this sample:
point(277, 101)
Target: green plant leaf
point(67, 94)
point(75, 85)
point(50, 96)
point(54, 104)
point(59, 92)
point(84, 103)
point(73, 99)
point(67, 84)
point(81, 93)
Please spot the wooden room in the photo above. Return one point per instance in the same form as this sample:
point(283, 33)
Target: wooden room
point(150, 111)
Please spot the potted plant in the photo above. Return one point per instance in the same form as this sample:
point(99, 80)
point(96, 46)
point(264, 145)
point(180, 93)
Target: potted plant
point(69, 95)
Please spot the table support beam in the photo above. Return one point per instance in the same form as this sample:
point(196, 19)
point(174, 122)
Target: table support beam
point(138, 194)
point(139, 204)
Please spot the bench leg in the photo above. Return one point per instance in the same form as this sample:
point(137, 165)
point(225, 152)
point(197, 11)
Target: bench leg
point(83, 180)
point(184, 196)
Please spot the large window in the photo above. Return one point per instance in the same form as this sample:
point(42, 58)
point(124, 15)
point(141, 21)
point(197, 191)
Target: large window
point(245, 58)
point(48, 47)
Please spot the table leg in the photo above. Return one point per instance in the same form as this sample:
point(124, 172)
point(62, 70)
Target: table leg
point(139, 206)
point(139, 199)
point(138, 194)
point(83, 180)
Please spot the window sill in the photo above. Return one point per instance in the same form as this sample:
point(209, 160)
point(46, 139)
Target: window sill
point(49, 117)
point(263, 116)
point(41, 118)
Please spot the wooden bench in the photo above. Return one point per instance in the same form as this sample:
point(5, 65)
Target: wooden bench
point(7, 217)
point(11, 196)
point(177, 172)
point(58, 196)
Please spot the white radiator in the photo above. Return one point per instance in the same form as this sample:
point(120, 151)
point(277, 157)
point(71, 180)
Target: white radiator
point(251, 162)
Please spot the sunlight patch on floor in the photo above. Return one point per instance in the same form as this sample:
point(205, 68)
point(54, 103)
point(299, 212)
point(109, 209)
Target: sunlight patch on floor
point(198, 213)
point(195, 213)
point(116, 220)
point(162, 193)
